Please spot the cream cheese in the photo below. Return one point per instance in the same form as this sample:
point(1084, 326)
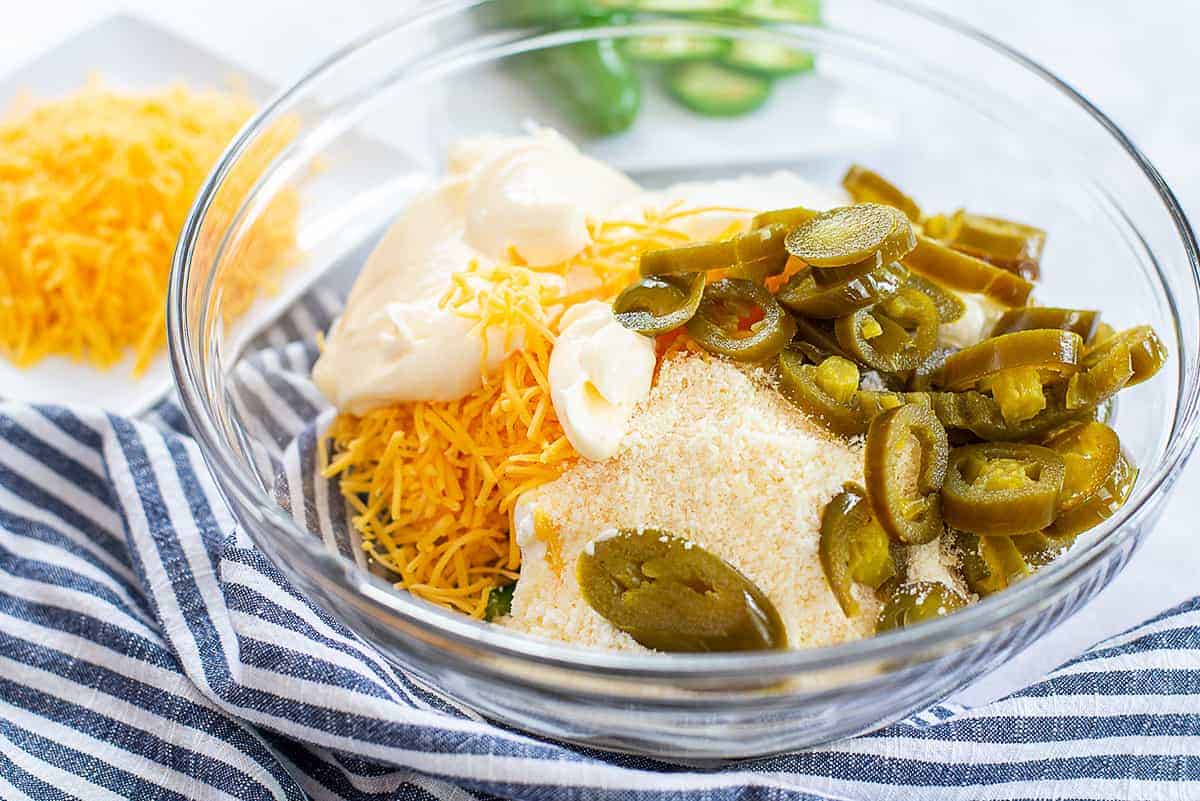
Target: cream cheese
point(529, 195)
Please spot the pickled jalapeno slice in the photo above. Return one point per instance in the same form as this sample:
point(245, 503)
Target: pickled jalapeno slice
point(656, 305)
point(698, 257)
point(820, 335)
point(950, 307)
point(849, 234)
point(895, 335)
point(788, 218)
point(1050, 351)
point(1099, 507)
point(826, 395)
point(1028, 318)
point(904, 496)
point(1147, 351)
point(672, 595)
point(759, 253)
point(868, 186)
point(915, 602)
point(990, 564)
point(1012, 246)
point(1103, 376)
point(499, 602)
point(1002, 488)
point(833, 276)
point(852, 547)
point(802, 295)
point(982, 416)
point(964, 273)
point(1089, 451)
point(740, 319)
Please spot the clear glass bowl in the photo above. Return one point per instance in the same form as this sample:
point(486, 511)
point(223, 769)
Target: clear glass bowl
point(953, 116)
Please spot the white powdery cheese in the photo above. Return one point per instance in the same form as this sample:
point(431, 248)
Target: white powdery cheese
point(715, 455)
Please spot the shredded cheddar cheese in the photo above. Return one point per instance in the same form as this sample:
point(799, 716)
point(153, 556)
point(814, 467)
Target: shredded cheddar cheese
point(94, 189)
point(432, 485)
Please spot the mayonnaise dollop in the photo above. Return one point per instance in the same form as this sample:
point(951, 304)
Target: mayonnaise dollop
point(599, 372)
point(531, 196)
point(977, 321)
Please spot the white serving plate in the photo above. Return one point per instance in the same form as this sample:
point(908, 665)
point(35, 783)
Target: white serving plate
point(130, 53)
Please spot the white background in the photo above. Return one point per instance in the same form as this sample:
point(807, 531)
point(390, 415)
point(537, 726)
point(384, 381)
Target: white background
point(1136, 59)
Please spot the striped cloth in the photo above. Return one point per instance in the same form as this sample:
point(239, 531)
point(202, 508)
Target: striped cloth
point(148, 650)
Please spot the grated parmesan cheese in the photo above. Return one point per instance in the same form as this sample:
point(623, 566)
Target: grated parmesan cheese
point(715, 455)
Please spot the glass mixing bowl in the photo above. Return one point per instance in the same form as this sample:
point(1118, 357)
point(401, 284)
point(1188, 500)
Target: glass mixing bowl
point(953, 116)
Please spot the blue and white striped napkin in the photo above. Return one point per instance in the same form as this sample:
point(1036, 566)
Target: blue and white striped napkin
point(147, 651)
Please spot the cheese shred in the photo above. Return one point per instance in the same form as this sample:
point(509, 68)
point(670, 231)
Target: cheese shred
point(432, 485)
point(94, 189)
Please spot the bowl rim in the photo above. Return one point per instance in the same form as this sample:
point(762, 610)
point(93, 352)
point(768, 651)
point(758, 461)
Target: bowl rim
point(975, 620)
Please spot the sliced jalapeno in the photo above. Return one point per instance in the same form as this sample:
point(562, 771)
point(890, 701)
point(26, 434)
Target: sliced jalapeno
point(820, 335)
point(852, 547)
point(849, 234)
point(1012, 246)
point(950, 307)
point(981, 414)
point(895, 335)
point(672, 595)
point(1055, 352)
point(868, 186)
point(802, 295)
point(759, 253)
point(499, 602)
point(1037, 549)
point(989, 564)
point(834, 276)
point(822, 394)
point(1105, 374)
point(1099, 507)
point(1002, 488)
point(964, 273)
point(908, 507)
point(916, 602)
point(788, 218)
point(655, 305)
point(698, 257)
point(740, 319)
point(1146, 350)
point(1090, 452)
point(1028, 318)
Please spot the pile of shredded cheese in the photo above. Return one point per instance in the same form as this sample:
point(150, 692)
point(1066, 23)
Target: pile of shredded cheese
point(433, 484)
point(94, 189)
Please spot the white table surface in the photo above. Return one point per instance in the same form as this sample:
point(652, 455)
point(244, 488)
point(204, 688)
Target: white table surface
point(1136, 60)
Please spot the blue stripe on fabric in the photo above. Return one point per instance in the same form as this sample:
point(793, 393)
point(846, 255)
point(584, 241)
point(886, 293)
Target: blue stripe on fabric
point(1139, 681)
point(167, 705)
point(31, 785)
point(257, 408)
point(211, 534)
point(1002, 729)
point(1185, 637)
point(300, 665)
point(31, 493)
point(334, 781)
point(70, 621)
point(248, 600)
point(286, 392)
point(64, 465)
point(82, 764)
point(58, 576)
point(216, 668)
point(192, 605)
point(198, 766)
point(70, 424)
point(37, 530)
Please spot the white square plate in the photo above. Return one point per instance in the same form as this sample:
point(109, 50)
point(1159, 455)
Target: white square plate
point(129, 53)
